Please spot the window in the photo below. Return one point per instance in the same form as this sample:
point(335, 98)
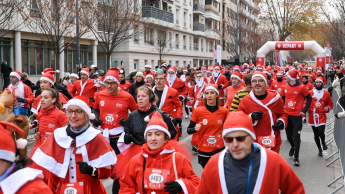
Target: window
point(177, 41)
point(196, 44)
point(177, 16)
point(202, 45)
point(184, 43)
point(135, 64)
point(190, 43)
point(34, 8)
point(148, 36)
point(185, 19)
point(136, 34)
point(170, 40)
point(161, 38)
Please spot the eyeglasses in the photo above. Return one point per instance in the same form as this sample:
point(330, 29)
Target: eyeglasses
point(258, 81)
point(110, 83)
point(238, 139)
point(77, 112)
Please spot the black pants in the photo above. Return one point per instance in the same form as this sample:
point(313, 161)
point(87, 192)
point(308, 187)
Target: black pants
point(116, 186)
point(293, 132)
point(113, 144)
point(319, 134)
point(204, 157)
point(6, 82)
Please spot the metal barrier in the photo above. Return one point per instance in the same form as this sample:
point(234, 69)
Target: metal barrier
point(338, 137)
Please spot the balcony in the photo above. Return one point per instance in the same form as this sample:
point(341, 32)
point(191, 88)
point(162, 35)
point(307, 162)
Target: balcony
point(198, 27)
point(211, 12)
point(196, 47)
point(245, 13)
point(198, 8)
point(153, 12)
point(212, 9)
point(211, 34)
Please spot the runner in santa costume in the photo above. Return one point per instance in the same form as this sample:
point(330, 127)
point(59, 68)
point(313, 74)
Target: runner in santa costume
point(188, 105)
point(162, 166)
point(245, 166)
point(231, 90)
point(309, 87)
point(321, 104)
point(76, 155)
point(169, 101)
point(84, 87)
point(73, 77)
point(208, 122)
point(222, 83)
point(267, 112)
point(99, 84)
point(111, 107)
point(208, 76)
point(15, 177)
point(47, 81)
point(183, 76)
point(124, 85)
point(148, 71)
point(293, 95)
point(22, 94)
point(196, 99)
point(174, 82)
point(320, 74)
point(278, 83)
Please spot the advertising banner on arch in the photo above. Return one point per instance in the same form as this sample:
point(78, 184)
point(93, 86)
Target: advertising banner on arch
point(260, 61)
point(291, 46)
point(321, 61)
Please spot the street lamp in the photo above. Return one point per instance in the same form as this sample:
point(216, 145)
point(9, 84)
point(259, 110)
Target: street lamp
point(237, 60)
point(77, 33)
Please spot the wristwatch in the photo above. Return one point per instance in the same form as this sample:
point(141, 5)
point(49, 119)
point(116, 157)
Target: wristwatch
point(93, 172)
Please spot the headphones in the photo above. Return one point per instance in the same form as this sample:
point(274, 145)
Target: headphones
point(152, 96)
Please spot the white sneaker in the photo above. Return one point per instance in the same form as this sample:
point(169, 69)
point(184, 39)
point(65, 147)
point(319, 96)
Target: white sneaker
point(186, 117)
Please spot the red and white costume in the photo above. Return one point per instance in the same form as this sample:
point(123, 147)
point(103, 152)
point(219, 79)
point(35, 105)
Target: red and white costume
point(317, 114)
point(58, 155)
point(70, 86)
point(176, 83)
point(86, 88)
point(36, 106)
point(170, 103)
point(125, 87)
point(275, 175)
point(220, 80)
point(196, 93)
point(21, 90)
point(188, 104)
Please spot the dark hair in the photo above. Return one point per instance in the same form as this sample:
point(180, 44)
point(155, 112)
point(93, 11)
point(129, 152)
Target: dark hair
point(55, 94)
point(248, 79)
point(22, 162)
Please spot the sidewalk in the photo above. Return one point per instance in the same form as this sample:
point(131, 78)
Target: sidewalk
point(313, 171)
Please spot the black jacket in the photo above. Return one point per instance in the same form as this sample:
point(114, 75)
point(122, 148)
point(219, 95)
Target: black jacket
point(31, 85)
point(59, 87)
point(134, 87)
point(6, 70)
point(135, 124)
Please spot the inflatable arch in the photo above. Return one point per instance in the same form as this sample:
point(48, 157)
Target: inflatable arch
point(292, 46)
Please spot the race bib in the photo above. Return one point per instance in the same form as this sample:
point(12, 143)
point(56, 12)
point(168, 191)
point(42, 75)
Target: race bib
point(267, 141)
point(291, 104)
point(72, 188)
point(213, 141)
point(155, 178)
point(319, 105)
point(199, 95)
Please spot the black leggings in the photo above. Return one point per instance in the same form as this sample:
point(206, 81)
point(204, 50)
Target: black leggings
point(186, 109)
point(319, 134)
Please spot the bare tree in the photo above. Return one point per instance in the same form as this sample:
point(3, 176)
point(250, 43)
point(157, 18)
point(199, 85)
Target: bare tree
point(163, 42)
point(8, 12)
point(226, 32)
point(54, 22)
point(116, 22)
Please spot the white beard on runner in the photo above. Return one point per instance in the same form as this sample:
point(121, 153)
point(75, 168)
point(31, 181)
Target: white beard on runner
point(199, 82)
point(171, 79)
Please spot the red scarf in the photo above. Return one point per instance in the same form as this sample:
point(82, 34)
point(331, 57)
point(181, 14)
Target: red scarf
point(144, 109)
point(146, 150)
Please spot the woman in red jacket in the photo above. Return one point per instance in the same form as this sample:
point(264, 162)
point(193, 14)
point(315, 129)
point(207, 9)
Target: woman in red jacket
point(231, 90)
point(208, 121)
point(161, 167)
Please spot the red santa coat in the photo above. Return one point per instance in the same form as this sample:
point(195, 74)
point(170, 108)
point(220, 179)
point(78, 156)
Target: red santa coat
point(230, 93)
point(69, 88)
point(151, 73)
point(84, 89)
point(125, 87)
point(273, 110)
point(179, 86)
point(24, 181)
point(221, 81)
point(294, 98)
point(278, 86)
point(170, 103)
point(188, 104)
point(317, 114)
point(112, 109)
point(132, 181)
point(36, 106)
point(309, 86)
point(196, 93)
point(58, 156)
point(275, 176)
point(22, 91)
point(208, 79)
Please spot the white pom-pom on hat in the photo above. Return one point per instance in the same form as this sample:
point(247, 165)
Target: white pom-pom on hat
point(57, 71)
point(21, 143)
point(147, 119)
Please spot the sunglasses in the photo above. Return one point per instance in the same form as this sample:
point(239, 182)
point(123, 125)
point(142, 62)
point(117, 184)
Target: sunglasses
point(238, 139)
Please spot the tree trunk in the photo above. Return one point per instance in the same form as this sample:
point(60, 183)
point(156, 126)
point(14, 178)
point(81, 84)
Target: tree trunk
point(108, 55)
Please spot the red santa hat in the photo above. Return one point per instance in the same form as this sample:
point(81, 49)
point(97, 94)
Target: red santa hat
point(49, 77)
point(279, 72)
point(204, 69)
point(85, 71)
point(335, 67)
point(7, 145)
point(173, 69)
point(236, 75)
point(258, 67)
point(310, 67)
point(319, 79)
point(156, 121)
point(98, 82)
point(231, 123)
point(217, 67)
point(236, 67)
point(251, 64)
point(262, 75)
point(319, 70)
point(149, 75)
point(269, 68)
point(148, 66)
point(74, 75)
point(83, 103)
point(113, 74)
point(276, 67)
point(212, 87)
point(302, 66)
point(245, 64)
point(292, 74)
point(16, 74)
point(210, 69)
point(185, 70)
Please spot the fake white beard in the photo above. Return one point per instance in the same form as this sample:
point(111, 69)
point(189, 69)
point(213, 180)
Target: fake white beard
point(171, 78)
point(216, 73)
point(199, 82)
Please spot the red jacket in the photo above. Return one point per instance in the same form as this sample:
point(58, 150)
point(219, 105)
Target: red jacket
point(277, 86)
point(179, 86)
point(196, 94)
point(221, 81)
point(69, 88)
point(151, 73)
point(84, 89)
point(25, 92)
point(125, 87)
point(170, 103)
point(317, 114)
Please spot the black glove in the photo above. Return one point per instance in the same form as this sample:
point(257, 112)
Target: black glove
point(96, 122)
point(21, 100)
point(176, 121)
point(278, 126)
point(123, 122)
point(220, 86)
point(34, 124)
point(256, 115)
point(172, 187)
point(128, 138)
point(336, 116)
point(181, 98)
point(84, 168)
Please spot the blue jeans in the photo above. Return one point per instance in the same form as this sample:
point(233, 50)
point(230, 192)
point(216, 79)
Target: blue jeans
point(19, 110)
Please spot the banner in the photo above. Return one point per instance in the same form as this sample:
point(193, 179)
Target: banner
point(289, 45)
point(321, 62)
point(260, 61)
point(219, 54)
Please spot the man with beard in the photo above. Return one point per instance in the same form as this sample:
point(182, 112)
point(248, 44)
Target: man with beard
point(293, 94)
point(84, 87)
point(139, 81)
point(207, 79)
point(279, 83)
point(123, 84)
point(267, 112)
point(148, 71)
point(174, 82)
point(73, 77)
point(320, 74)
point(222, 83)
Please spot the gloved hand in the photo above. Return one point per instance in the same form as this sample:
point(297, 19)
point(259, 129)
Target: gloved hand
point(278, 126)
point(256, 115)
point(181, 98)
point(123, 122)
point(220, 86)
point(172, 187)
point(128, 138)
point(21, 100)
point(96, 122)
point(84, 168)
point(176, 121)
point(336, 116)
